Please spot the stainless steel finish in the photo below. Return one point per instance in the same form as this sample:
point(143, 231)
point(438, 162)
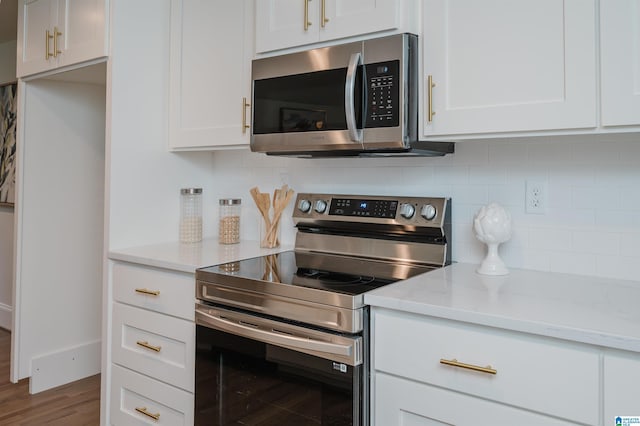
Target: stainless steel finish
point(312, 306)
point(386, 141)
point(405, 253)
point(314, 342)
point(355, 134)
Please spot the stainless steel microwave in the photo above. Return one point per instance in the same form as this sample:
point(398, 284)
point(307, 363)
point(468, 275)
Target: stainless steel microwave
point(359, 98)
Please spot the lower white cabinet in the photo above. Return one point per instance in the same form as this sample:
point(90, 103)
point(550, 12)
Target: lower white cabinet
point(140, 400)
point(152, 350)
point(404, 402)
point(498, 377)
point(621, 380)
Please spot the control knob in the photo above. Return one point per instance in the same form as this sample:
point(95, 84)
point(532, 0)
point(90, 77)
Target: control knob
point(428, 211)
point(304, 206)
point(320, 206)
point(407, 211)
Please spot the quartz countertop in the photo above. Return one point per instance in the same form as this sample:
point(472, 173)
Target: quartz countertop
point(593, 310)
point(187, 257)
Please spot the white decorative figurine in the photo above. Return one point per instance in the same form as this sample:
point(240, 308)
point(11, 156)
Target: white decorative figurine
point(492, 224)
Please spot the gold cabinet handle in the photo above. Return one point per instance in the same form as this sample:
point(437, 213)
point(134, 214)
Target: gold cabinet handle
point(47, 37)
point(430, 86)
point(146, 345)
point(323, 18)
point(56, 34)
point(143, 410)
point(456, 363)
point(245, 105)
point(149, 292)
point(306, 15)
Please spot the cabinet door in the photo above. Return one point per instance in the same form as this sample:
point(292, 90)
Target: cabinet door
point(34, 19)
point(621, 378)
point(403, 402)
point(620, 61)
point(211, 51)
point(347, 18)
point(281, 23)
point(504, 65)
point(83, 30)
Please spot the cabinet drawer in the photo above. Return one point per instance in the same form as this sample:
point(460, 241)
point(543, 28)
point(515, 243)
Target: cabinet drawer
point(157, 345)
point(160, 290)
point(133, 394)
point(539, 374)
point(403, 402)
point(621, 379)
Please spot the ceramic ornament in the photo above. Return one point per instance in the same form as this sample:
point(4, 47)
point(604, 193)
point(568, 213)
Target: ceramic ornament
point(492, 225)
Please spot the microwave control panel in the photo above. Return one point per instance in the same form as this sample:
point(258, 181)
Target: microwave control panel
point(383, 94)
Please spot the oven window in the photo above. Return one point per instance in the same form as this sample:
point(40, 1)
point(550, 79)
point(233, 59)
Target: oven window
point(245, 382)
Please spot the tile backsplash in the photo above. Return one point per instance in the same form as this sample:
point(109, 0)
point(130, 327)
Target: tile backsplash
point(591, 225)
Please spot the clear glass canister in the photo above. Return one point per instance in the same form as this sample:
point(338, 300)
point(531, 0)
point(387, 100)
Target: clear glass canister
point(229, 230)
point(190, 215)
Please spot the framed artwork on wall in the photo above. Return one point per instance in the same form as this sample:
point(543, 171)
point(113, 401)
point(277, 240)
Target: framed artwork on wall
point(8, 112)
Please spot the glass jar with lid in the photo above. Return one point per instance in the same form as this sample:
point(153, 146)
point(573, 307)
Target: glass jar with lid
point(190, 215)
point(229, 225)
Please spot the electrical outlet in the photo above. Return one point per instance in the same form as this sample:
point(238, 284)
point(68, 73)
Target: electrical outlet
point(536, 197)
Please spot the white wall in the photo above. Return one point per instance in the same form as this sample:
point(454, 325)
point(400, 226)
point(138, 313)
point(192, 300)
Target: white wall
point(7, 74)
point(592, 225)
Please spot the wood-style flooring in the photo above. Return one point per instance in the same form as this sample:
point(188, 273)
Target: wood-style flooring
point(74, 404)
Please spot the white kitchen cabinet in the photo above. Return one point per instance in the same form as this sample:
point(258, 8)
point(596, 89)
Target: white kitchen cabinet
point(621, 378)
point(404, 402)
point(531, 374)
point(287, 23)
point(620, 62)
point(210, 82)
point(508, 66)
point(58, 33)
point(152, 349)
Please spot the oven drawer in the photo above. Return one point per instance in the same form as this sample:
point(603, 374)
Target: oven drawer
point(157, 345)
point(159, 290)
point(138, 400)
point(544, 375)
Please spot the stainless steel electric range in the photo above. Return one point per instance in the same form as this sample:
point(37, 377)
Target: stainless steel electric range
point(283, 339)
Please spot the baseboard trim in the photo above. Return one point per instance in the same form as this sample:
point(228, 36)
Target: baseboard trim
point(6, 313)
point(59, 368)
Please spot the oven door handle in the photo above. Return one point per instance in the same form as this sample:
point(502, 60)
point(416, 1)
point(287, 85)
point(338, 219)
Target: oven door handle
point(272, 337)
point(355, 134)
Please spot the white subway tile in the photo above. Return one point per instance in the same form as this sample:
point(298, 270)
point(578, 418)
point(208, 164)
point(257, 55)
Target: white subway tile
point(470, 194)
point(595, 197)
point(471, 152)
point(549, 239)
point(620, 267)
point(596, 242)
point(452, 175)
point(507, 153)
point(630, 244)
point(573, 263)
point(509, 195)
point(487, 175)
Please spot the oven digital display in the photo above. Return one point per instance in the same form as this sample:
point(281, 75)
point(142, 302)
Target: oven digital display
point(365, 208)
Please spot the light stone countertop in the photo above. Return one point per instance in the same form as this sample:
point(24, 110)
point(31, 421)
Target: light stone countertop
point(187, 257)
point(593, 310)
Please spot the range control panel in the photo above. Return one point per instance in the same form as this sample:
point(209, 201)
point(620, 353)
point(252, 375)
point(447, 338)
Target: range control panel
point(416, 211)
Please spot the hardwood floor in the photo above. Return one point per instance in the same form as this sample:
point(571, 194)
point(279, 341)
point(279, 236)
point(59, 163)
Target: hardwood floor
point(75, 404)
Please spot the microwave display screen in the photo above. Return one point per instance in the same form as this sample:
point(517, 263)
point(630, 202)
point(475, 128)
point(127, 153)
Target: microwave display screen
point(383, 94)
point(366, 208)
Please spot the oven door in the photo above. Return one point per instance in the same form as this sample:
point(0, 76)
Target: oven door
point(308, 101)
point(256, 370)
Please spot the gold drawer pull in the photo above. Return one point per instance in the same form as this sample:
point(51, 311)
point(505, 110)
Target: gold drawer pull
point(149, 292)
point(143, 410)
point(148, 346)
point(455, 363)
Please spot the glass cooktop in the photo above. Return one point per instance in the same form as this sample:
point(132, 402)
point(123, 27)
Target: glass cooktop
point(333, 273)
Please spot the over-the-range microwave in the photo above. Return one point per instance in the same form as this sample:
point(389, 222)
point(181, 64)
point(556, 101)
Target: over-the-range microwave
point(359, 98)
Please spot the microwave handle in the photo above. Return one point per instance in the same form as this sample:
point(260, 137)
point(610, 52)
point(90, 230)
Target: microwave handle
point(355, 134)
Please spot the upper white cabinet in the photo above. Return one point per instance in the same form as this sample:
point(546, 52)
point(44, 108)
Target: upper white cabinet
point(620, 62)
point(210, 81)
point(286, 23)
point(508, 66)
point(57, 33)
